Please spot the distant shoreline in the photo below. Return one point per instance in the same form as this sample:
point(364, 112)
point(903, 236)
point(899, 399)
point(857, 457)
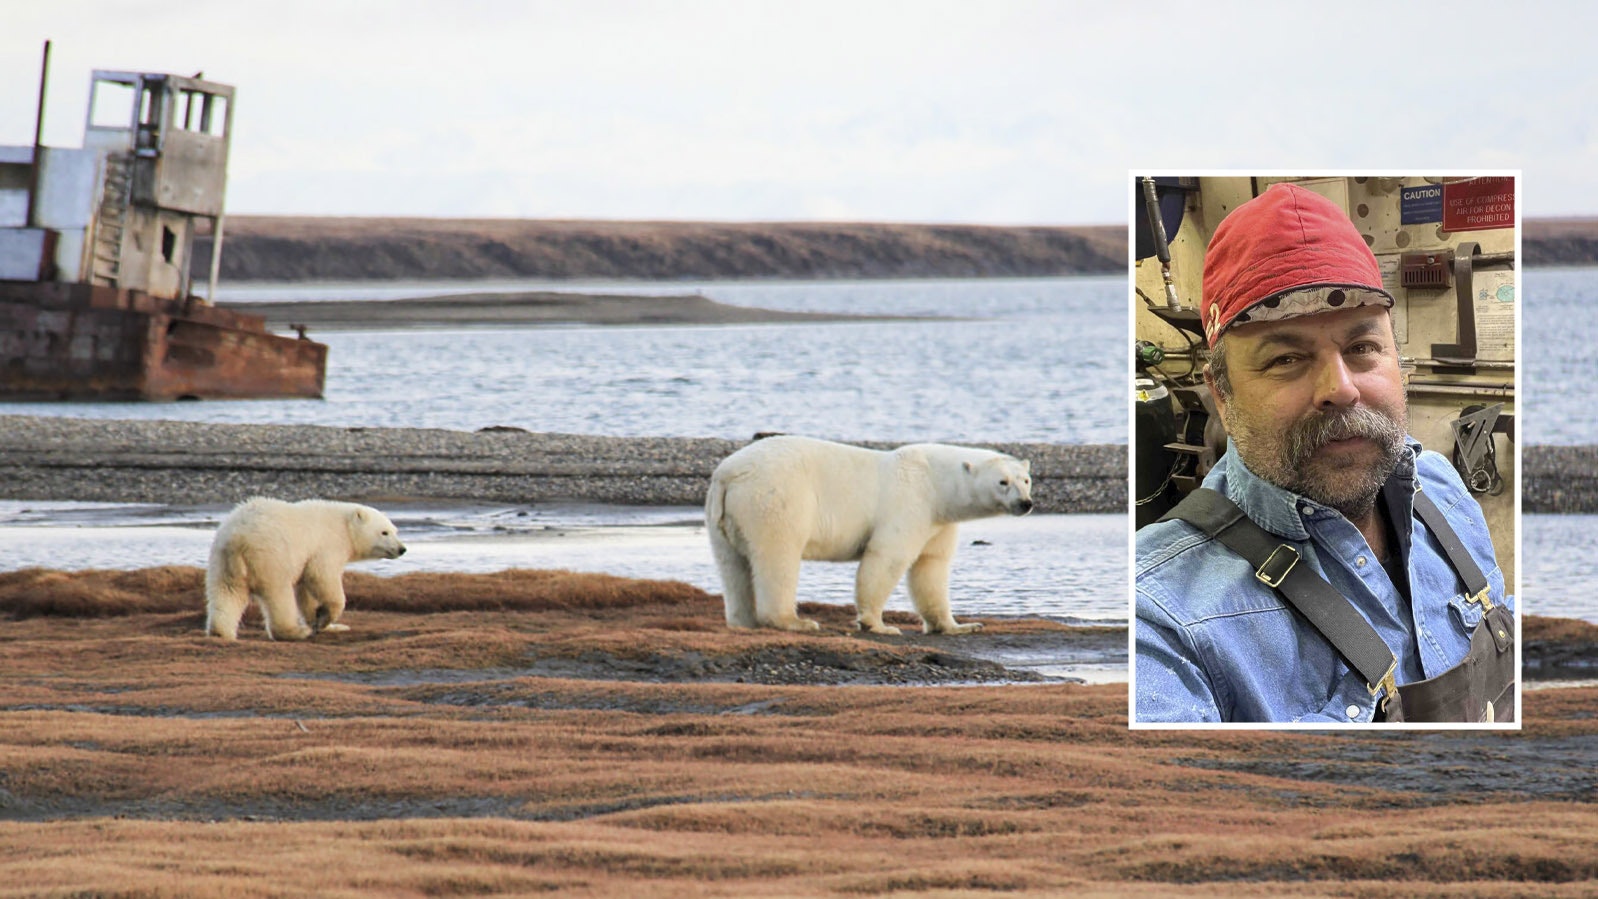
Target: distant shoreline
point(285, 248)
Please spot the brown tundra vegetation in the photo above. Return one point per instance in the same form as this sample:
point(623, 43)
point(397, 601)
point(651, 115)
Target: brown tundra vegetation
point(540, 732)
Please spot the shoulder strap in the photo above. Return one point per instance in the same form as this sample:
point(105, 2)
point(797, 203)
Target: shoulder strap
point(1276, 565)
point(1458, 556)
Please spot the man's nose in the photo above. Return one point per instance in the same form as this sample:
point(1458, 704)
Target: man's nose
point(1334, 385)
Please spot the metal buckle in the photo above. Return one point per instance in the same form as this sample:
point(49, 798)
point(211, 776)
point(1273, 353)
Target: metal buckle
point(1486, 604)
point(1385, 682)
point(1265, 576)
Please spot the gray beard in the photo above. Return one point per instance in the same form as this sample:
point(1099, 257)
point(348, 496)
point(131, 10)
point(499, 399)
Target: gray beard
point(1287, 460)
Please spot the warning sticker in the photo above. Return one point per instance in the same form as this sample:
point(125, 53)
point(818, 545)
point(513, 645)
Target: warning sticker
point(1479, 204)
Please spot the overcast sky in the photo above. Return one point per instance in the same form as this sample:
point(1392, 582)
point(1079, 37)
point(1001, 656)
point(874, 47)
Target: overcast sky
point(986, 112)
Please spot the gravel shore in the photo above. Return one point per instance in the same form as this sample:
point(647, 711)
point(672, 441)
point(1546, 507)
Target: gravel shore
point(1560, 479)
point(191, 463)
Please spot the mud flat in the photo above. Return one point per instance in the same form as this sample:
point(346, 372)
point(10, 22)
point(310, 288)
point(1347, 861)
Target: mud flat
point(195, 463)
point(509, 734)
point(523, 308)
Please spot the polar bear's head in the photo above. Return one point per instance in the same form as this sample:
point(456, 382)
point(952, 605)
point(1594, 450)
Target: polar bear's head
point(1005, 481)
point(373, 536)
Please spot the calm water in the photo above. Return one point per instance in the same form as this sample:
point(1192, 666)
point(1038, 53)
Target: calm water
point(1559, 575)
point(1035, 360)
point(1559, 322)
point(1558, 570)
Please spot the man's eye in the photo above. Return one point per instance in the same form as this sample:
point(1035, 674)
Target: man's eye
point(1364, 349)
point(1284, 359)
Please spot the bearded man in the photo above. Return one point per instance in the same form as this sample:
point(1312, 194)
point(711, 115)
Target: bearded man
point(1330, 570)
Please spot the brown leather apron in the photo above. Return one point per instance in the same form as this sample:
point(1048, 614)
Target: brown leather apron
point(1481, 688)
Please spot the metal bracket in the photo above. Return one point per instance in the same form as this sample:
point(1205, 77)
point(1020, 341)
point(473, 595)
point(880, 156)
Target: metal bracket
point(1463, 353)
point(1461, 356)
point(1474, 453)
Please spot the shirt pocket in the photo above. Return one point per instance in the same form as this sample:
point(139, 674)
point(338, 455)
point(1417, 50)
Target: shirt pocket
point(1466, 612)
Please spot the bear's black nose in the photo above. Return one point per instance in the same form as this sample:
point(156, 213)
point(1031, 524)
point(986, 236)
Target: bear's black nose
point(400, 553)
point(1026, 506)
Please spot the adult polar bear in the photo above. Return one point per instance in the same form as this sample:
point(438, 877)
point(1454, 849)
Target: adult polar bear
point(290, 557)
point(783, 499)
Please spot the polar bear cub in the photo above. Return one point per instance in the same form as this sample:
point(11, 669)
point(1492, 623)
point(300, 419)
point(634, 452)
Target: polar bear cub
point(783, 499)
point(290, 558)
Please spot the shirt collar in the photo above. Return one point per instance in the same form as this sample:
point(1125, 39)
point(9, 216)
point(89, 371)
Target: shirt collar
point(1281, 511)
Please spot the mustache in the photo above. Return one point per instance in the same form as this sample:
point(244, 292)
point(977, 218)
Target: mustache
point(1310, 433)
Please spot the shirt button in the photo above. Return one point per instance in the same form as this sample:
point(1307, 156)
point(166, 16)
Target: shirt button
point(1353, 711)
point(1306, 510)
point(1360, 562)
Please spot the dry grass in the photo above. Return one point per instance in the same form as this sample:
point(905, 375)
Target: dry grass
point(1559, 630)
point(413, 756)
point(34, 592)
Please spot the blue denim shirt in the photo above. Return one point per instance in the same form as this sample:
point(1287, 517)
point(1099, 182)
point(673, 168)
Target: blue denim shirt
point(1216, 644)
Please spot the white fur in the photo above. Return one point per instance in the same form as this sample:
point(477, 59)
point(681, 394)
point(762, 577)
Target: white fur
point(290, 558)
point(783, 499)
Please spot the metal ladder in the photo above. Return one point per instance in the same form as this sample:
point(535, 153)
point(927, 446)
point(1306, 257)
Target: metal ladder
point(110, 220)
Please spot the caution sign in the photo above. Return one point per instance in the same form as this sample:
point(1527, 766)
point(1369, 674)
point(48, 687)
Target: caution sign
point(1420, 204)
point(1479, 204)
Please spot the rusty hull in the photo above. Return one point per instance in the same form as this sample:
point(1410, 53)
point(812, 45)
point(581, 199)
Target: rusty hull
point(86, 342)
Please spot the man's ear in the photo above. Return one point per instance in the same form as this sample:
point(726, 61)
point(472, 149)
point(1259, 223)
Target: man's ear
point(1209, 381)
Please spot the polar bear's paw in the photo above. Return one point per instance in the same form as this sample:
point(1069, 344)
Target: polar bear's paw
point(952, 628)
point(877, 628)
point(325, 623)
point(796, 624)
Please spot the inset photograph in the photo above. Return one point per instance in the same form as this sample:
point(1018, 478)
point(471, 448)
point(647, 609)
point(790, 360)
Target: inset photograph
point(1324, 477)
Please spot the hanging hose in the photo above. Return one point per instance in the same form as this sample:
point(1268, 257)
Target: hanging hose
point(1162, 249)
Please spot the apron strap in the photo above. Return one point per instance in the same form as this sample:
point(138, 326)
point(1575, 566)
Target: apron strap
point(1469, 572)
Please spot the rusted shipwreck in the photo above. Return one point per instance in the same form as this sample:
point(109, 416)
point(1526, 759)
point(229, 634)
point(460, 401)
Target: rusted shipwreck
point(97, 250)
